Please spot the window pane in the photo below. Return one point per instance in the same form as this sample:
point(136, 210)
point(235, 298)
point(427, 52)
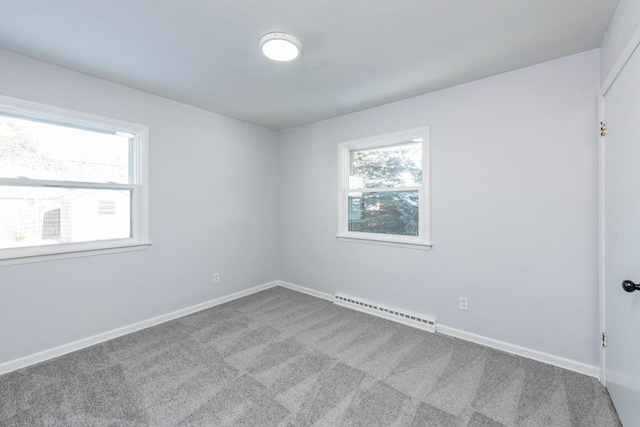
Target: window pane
point(47, 151)
point(393, 166)
point(394, 212)
point(34, 216)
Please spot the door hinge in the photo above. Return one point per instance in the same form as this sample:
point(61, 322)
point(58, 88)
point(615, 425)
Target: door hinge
point(603, 129)
point(604, 339)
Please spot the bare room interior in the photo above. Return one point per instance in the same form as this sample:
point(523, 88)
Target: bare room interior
point(294, 213)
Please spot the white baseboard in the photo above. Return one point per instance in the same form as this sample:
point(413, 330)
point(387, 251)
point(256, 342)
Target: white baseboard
point(307, 291)
point(42, 356)
point(32, 359)
point(561, 362)
point(571, 365)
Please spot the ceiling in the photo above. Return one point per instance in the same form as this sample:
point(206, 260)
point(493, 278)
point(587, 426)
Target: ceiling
point(356, 54)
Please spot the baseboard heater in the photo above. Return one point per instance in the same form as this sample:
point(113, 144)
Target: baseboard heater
point(420, 321)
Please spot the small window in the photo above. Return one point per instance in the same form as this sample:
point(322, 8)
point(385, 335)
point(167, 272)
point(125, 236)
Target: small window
point(68, 184)
point(383, 188)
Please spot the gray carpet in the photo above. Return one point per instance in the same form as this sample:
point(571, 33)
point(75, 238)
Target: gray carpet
point(281, 358)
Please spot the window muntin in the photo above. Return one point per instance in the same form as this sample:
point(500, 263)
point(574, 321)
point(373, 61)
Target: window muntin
point(69, 182)
point(383, 188)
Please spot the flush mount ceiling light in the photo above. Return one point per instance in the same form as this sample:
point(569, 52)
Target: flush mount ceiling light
point(280, 46)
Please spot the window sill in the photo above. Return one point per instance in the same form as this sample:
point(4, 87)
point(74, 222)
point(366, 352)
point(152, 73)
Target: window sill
point(384, 242)
point(72, 252)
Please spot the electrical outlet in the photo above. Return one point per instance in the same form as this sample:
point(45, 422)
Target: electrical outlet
point(464, 303)
point(216, 277)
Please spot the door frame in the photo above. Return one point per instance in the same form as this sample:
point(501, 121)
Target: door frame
point(619, 65)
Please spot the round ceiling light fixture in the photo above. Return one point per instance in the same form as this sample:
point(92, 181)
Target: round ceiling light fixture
point(280, 46)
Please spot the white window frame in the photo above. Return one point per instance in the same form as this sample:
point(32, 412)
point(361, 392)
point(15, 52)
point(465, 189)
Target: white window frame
point(139, 185)
point(423, 240)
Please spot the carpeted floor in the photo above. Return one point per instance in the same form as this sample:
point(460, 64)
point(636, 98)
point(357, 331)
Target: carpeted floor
point(281, 358)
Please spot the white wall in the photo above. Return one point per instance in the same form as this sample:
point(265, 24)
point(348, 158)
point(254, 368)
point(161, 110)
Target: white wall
point(625, 22)
point(514, 212)
point(213, 207)
point(514, 209)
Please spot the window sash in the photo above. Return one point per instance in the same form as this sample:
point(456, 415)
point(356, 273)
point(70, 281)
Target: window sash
point(58, 120)
point(134, 217)
point(25, 182)
point(384, 189)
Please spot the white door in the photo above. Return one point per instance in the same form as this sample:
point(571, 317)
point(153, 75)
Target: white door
point(622, 241)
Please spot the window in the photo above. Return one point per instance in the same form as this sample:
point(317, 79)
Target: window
point(69, 182)
point(384, 189)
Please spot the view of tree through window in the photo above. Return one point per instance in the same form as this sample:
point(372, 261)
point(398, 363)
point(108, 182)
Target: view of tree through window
point(57, 182)
point(396, 172)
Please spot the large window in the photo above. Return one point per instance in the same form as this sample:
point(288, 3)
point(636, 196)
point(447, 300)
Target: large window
point(69, 182)
point(383, 188)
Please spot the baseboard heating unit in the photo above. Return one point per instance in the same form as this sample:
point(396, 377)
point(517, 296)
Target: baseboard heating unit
point(420, 321)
